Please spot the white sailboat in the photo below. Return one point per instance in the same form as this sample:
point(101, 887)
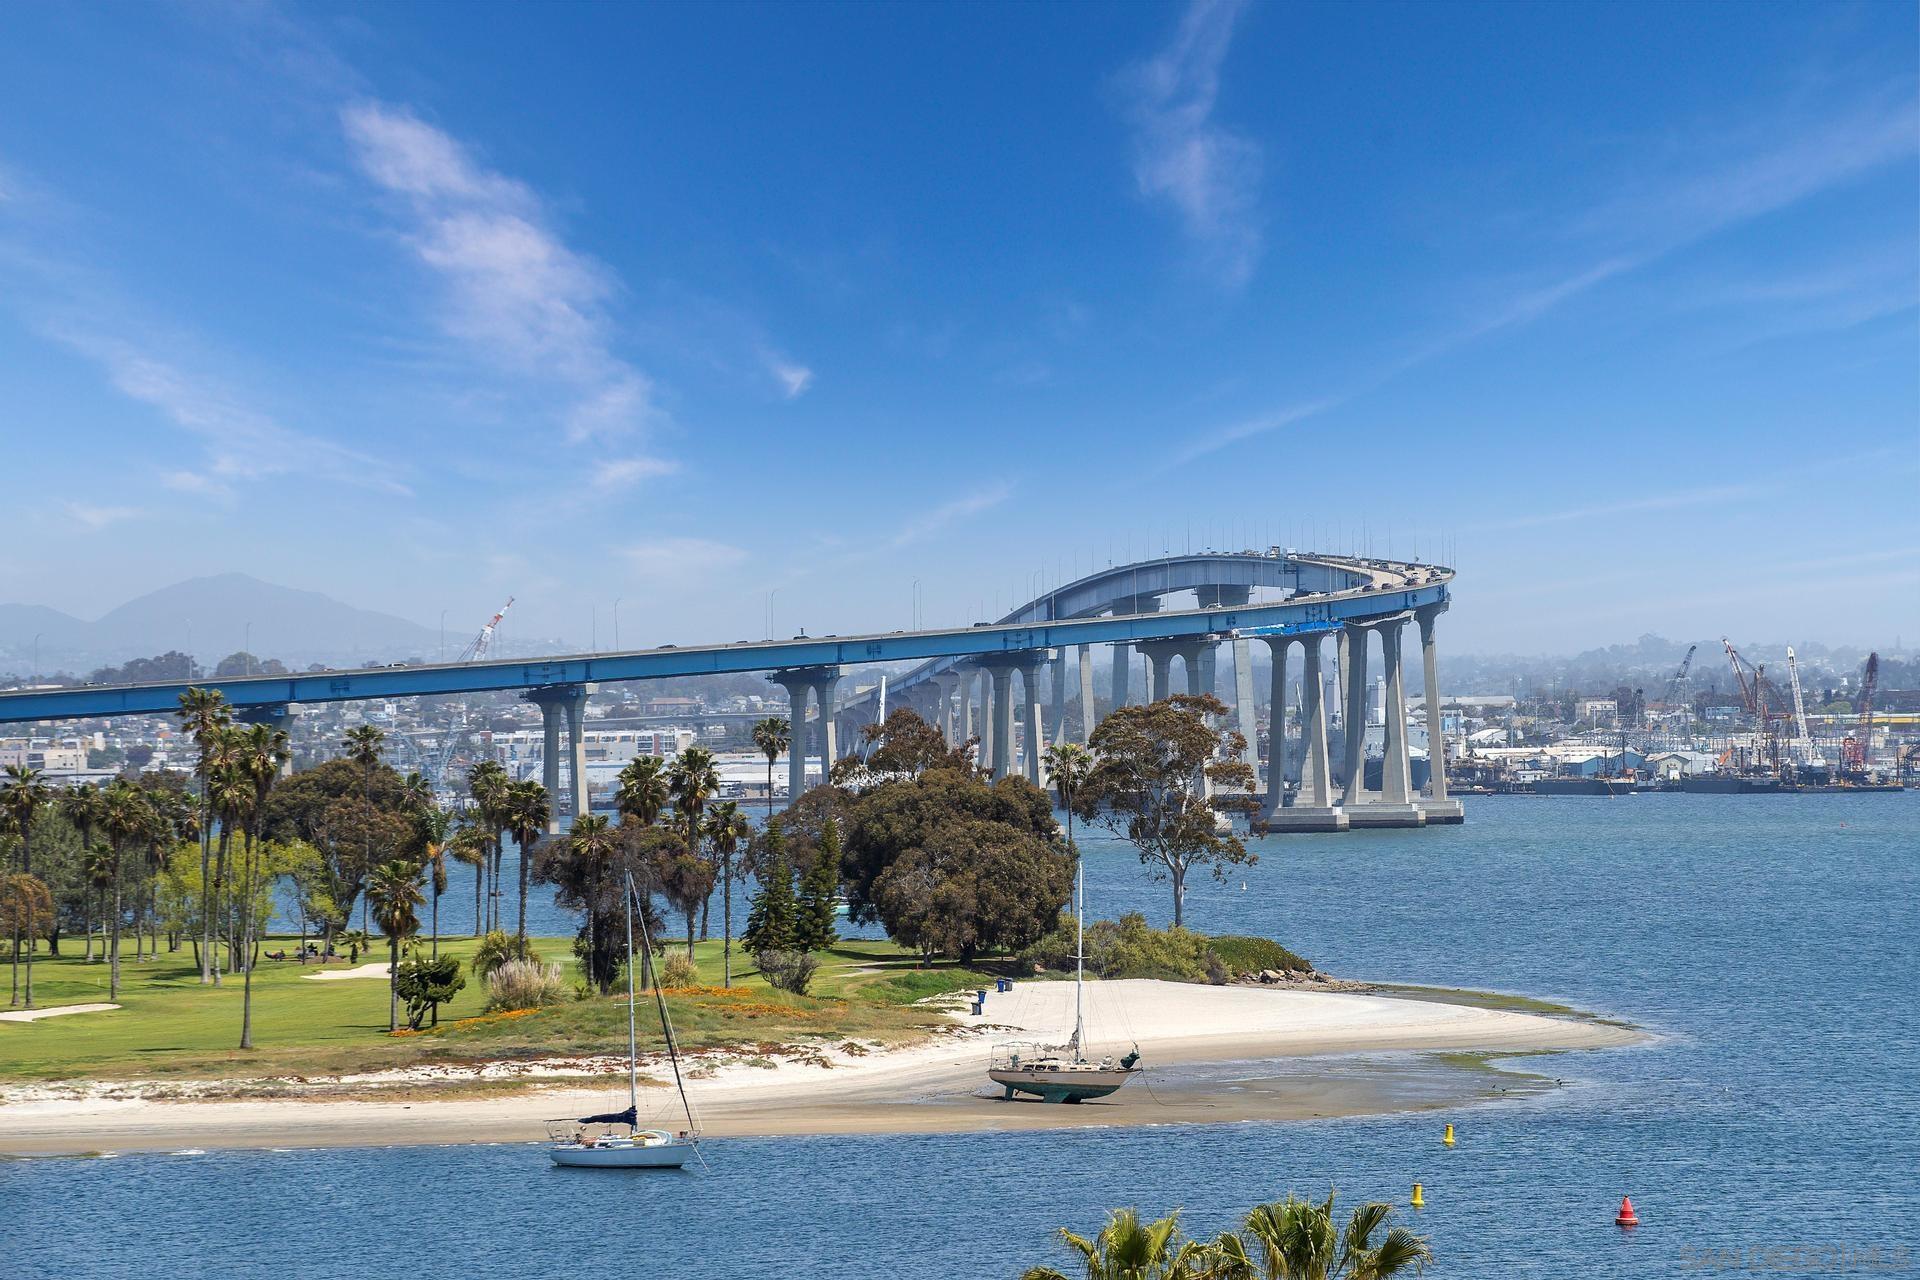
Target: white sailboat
point(596, 1142)
point(1063, 1073)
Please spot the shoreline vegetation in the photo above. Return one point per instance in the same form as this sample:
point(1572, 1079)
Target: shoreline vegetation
point(793, 1030)
point(882, 1045)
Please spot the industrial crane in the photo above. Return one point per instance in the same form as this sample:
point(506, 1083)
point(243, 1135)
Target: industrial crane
point(1753, 696)
point(1678, 685)
point(1805, 753)
point(1857, 748)
point(475, 650)
point(477, 647)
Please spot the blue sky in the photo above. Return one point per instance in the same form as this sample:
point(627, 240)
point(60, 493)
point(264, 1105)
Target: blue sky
point(858, 306)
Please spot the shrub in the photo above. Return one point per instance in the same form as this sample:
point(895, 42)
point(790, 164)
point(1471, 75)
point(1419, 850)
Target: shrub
point(525, 984)
point(499, 947)
point(426, 985)
point(679, 971)
point(787, 970)
point(1126, 948)
point(1251, 955)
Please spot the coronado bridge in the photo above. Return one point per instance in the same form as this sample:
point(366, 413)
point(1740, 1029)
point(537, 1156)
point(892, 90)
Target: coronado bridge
point(964, 678)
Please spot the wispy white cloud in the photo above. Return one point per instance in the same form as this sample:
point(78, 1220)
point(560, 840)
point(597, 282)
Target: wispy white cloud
point(1183, 156)
point(1759, 176)
point(242, 441)
point(619, 473)
point(196, 483)
point(928, 523)
point(91, 517)
point(515, 291)
point(1711, 495)
point(661, 559)
point(794, 378)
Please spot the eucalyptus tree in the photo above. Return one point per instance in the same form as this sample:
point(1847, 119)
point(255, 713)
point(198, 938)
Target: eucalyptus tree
point(394, 891)
point(527, 811)
point(643, 792)
point(435, 830)
point(263, 750)
point(771, 736)
point(726, 829)
point(693, 780)
point(22, 796)
point(204, 714)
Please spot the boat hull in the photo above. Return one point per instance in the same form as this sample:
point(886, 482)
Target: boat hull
point(1061, 1085)
point(662, 1155)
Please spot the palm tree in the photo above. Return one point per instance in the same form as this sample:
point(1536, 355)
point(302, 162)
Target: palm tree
point(416, 793)
point(394, 890)
point(1129, 1249)
point(125, 817)
point(643, 792)
point(1297, 1238)
point(487, 784)
point(1068, 765)
point(100, 867)
point(436, 833)
point(21, 796)
point(362, 746)
point(230, 792)
point(80, 806)
point(263, 750)
point(468, 847)
point(726, 828)
point(204, 715)
point(527, 811)
point(772, 736)
point(693, 779)
point(591, 843)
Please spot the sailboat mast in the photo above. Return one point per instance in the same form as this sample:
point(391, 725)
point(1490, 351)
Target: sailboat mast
point(1079, 951)
point(633, 1042)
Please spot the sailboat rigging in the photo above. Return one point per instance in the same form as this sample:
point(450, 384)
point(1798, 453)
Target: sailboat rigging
point(1063, 1073)
point(574, 1142)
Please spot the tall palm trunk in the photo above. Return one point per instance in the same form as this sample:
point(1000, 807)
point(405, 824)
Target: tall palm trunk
point(436, 923)
point(113, 953)
point(479, 882)
point(216, 903)
point(393, 983)
point(206, 857)
point(525, 840)
point(726, 925)
point(246, 963)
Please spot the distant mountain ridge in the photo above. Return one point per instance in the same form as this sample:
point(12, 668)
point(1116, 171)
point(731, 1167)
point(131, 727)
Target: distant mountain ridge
point(213, 616)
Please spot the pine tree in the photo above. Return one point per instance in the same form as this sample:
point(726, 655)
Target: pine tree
point(814, 931)
point(770, 920)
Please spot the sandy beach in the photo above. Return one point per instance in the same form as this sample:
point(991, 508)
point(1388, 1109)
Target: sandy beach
point(1216, 1054)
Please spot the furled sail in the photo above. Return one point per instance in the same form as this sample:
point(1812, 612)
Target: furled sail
point(628, 1117)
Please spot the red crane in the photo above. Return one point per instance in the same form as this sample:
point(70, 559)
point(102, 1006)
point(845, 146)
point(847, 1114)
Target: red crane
point(1857, 748)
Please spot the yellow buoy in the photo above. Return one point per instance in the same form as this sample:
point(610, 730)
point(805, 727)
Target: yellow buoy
point(1449, 1138)
point(1419, 1201)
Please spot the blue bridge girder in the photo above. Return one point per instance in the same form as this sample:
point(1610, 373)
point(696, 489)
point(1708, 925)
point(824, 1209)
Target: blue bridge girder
point(1334, 590)
point(1359, 587)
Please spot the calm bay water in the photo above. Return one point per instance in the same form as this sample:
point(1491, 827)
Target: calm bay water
point(1769, 941)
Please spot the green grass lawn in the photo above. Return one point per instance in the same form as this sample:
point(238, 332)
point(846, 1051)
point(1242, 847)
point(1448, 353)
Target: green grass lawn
point(171, 1027)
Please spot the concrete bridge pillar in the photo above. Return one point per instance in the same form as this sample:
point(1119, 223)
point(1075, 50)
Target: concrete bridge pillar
point(1437, 807)
point(1087, 709)
point(1122, 670)
point(799, 682)
point(1036, 733)
point(1316, 786)
point(1277, 646)
point(1243, 710)
point(1000, 717)
point(1160, 655)
point(1057, 715)
point(562, 704)
point(1395, 806)
point(1353, 669)
point(1201, 662)
point(826, 687)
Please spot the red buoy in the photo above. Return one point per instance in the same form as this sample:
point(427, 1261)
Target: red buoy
point(1626, 1217)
